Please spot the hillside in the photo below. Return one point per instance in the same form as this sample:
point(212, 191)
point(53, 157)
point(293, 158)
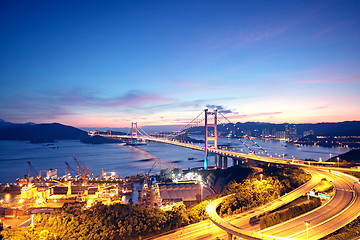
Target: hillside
point(45, 131)
point(352, 156)
point(348, 128)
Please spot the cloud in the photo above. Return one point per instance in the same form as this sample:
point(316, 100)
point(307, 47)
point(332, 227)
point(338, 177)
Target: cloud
point(328, 29)
point(321, 107)
point(248, 37)
point(221, 109)
point(93, 99)
point(226, 111)
point(54, 104)
point(335, 79)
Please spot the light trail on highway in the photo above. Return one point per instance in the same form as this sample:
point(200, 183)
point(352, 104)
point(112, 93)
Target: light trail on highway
point(334, 214)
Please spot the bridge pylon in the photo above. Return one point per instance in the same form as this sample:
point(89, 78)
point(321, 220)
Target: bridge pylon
point(210, 140)
point(134, 131)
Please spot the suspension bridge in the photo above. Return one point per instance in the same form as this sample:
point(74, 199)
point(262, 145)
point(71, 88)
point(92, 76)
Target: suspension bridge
point(341, 210)
point(210, 120)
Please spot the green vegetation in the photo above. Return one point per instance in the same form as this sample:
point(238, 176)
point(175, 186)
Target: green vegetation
point(290, 177)
point(292, 212)
point(295, 202)
point(251, 193)
point(254, 192)
point(116, 221)
point(121, 221)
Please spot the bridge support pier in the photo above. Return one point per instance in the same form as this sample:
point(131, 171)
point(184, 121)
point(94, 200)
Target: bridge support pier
point(225, 162)
point(220, 161)
point(235, 162)
point(229, 236)
point(216, 165)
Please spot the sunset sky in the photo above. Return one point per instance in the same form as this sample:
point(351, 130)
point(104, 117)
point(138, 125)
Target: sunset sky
point(108, 63)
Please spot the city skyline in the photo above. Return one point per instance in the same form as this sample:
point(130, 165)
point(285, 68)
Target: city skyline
point(161, 63)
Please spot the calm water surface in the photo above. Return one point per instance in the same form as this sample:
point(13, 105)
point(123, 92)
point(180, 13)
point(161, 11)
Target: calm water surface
point(127, 160)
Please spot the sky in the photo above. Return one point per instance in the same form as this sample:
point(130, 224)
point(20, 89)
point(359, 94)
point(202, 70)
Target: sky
point(110, 63)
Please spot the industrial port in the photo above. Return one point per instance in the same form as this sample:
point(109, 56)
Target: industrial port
point(42, 191)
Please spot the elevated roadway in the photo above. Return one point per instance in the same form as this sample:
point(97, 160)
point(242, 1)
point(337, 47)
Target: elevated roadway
point(250, 156)
point(339, 211)
point(334, 214)
point(208, 230)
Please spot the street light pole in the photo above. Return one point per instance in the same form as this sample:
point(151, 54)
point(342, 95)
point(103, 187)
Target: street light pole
point(338, 161)
point(307, 229)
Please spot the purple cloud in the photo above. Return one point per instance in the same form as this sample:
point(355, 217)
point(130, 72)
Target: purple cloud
point(51, 105)
point(221, 109)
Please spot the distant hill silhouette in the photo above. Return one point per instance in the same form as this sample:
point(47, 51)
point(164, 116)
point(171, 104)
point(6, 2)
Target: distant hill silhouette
point(352, 156)
point(348, 128)
point(44, 131)
point(4, 123)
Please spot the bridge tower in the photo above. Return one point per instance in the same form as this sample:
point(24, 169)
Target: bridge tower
point(134, 131)
point(210, 140)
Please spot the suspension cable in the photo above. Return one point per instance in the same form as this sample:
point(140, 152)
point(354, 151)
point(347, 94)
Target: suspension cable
point(236, 136)
point(262, 149)
point(185, 126)
point(142, 132)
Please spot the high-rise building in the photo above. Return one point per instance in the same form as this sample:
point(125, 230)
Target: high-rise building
point(265, 133)
point(291, 132)
point(281, 135)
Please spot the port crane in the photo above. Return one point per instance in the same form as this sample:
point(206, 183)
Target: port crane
point(34, 174)
point(85, 171)
point(68, 169)
point(152, 167)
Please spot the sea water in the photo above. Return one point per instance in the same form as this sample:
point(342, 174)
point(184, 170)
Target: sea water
point(130, 160)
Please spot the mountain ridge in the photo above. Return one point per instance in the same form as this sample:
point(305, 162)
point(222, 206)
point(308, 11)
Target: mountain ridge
point(43, 131)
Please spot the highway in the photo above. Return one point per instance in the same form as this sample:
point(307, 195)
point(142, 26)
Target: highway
point(239, 155)
point(340, 210)
point(208, 230)
point(334, 214)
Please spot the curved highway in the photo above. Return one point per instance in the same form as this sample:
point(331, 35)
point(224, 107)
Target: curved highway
point(339, 211)
point(207, 230)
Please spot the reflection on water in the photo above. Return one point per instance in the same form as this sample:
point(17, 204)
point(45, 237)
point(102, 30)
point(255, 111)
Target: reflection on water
point(131, 160)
